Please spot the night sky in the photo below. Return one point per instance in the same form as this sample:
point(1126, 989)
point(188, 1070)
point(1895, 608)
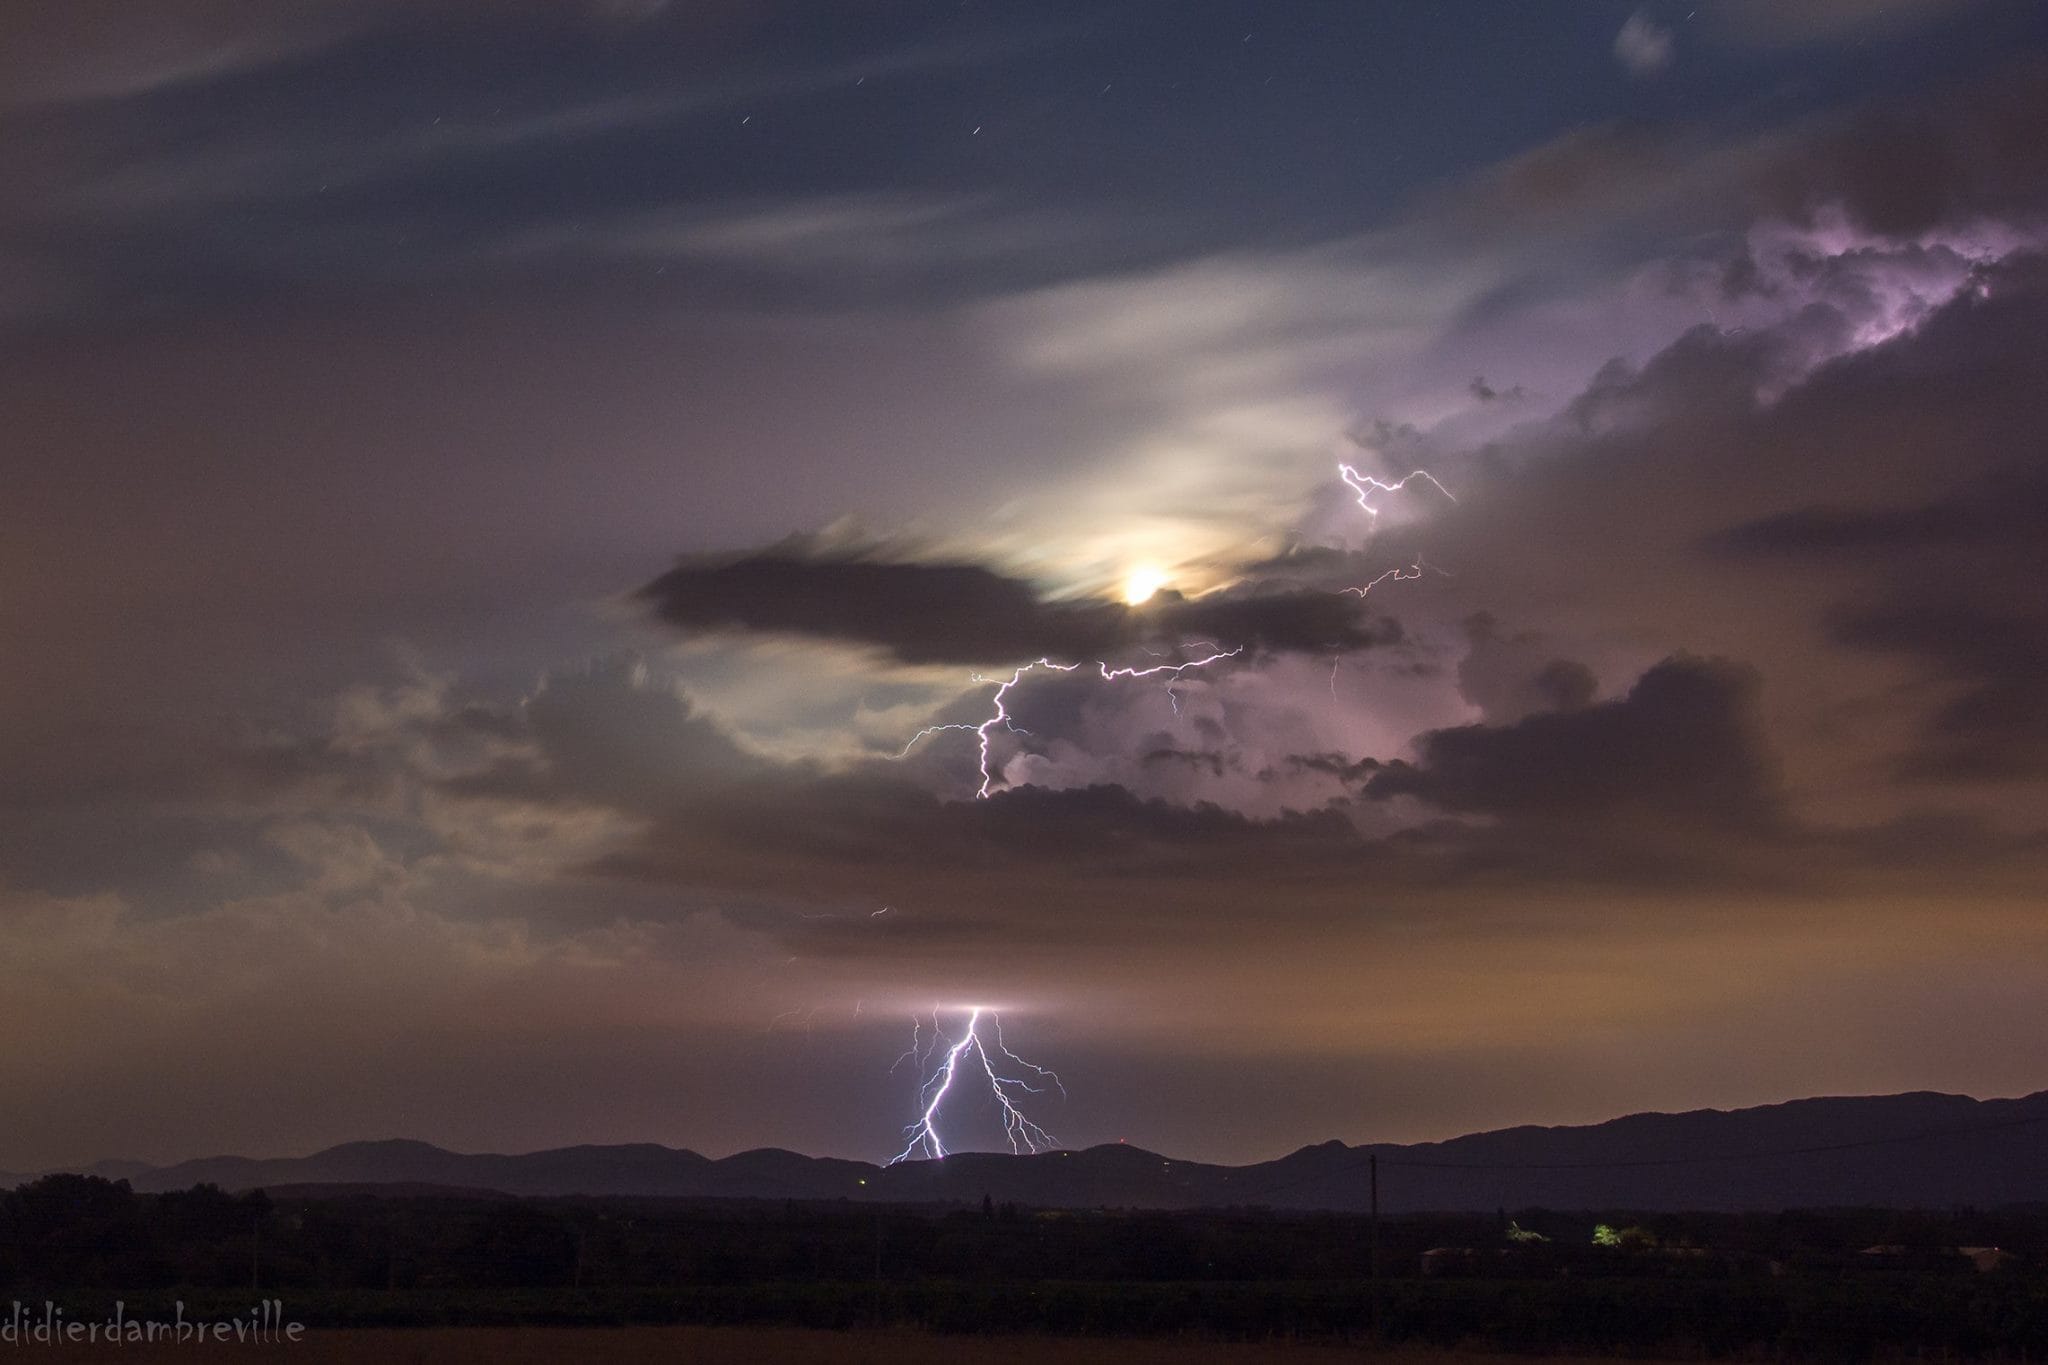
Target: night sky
point(495, 492)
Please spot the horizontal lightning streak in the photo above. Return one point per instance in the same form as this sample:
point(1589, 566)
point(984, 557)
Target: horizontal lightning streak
point(1001, 714)
point(1365, 485)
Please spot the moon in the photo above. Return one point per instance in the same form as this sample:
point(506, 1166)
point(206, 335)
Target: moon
point(1142, 582)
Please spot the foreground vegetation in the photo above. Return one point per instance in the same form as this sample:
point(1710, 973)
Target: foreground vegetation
point(1843, 1284)
point(752, 1345)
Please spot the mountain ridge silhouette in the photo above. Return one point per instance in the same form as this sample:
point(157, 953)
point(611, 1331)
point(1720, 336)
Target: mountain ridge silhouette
point(1918, 1149)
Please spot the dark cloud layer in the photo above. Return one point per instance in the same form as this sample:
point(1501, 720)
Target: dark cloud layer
point(965, 613)
point(1670, 790)
point(2004, 509)
point(1898, 167)
point(1997, 727)
point(1671, 787)
point(1508, 676)
point(1902, 170)
point(358, 355)
point(1958, 592)
point(1683, 744)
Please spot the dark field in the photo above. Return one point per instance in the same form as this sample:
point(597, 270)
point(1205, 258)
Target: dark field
point(796, 1346)
point(430, 1278)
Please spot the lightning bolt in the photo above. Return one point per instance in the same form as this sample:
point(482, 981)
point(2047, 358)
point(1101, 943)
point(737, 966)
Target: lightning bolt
point(1365, 485)
point(1022, 1134)
point(1172, 670)
point(799, 1018)
point(1000, 712)
point(1399, 575)
point(940, 1059)
point(1406, 573)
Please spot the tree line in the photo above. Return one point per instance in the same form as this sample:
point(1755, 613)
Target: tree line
point(1533, 1279)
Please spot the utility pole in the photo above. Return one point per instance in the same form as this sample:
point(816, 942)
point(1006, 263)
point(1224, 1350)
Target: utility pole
point(1372, 1166)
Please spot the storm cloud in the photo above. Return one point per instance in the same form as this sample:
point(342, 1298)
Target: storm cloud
point(965, 613)
point(1682, 744)
point(394, 393)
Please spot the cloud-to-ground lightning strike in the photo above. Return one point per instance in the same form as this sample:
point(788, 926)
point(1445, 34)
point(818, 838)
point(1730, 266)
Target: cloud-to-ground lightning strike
point(1023, 1135)
point(1001, 714)
point(923, 1137)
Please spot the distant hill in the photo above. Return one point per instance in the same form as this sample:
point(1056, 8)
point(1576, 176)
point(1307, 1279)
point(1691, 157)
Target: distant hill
point(1914, 1150)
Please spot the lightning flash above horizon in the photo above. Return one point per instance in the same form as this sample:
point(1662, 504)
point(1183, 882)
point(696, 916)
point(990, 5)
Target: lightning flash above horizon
point(940, 1059)
point(1023, 1135)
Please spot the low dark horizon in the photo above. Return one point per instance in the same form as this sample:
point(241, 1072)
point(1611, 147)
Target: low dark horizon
point(1924, 1150)
point(116, 1166)
point(586, 571)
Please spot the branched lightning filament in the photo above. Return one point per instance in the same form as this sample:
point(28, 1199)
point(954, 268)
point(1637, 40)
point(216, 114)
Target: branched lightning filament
point(1406, 573)
point(1000, 716)
point(1365, 485)
point(946, 1058)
